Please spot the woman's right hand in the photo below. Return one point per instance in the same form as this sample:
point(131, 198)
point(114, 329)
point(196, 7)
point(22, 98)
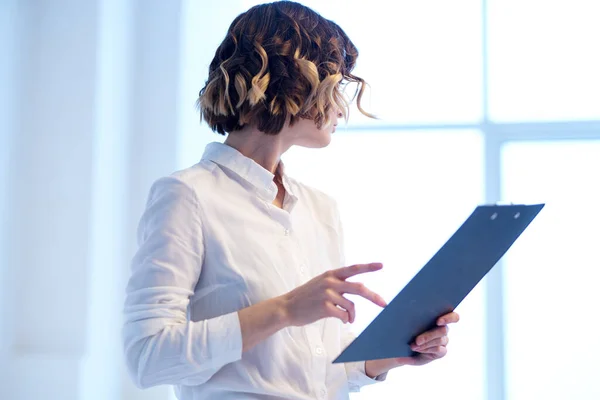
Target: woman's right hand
point(323, 296)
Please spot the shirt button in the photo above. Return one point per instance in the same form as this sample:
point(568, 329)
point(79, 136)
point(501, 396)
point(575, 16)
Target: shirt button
point(319, 351)
point(286, 232)
point(323, 393)
point(302, 269)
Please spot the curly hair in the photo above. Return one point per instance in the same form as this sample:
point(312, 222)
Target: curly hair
point(280, 61)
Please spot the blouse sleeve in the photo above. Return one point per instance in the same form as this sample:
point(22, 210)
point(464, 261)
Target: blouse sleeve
point(162, 346)
point(357, 377)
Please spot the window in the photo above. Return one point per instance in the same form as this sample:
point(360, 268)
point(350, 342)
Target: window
point(551, 276)
point(479, 101)
point(542, 60)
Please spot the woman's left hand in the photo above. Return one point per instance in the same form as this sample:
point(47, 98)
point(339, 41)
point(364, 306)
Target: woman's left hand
point(430, 346)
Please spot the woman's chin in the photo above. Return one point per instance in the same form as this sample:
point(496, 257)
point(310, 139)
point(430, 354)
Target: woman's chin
point(326, 139)
point(317, 143)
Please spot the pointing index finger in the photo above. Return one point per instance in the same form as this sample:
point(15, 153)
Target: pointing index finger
point(346, 272)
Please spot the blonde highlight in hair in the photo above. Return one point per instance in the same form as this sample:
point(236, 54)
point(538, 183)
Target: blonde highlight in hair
point(279, 62)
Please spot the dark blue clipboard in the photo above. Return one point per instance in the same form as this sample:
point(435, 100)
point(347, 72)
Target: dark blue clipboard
point(440, 286)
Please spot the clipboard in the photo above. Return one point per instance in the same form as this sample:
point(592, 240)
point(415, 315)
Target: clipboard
point(440, 286)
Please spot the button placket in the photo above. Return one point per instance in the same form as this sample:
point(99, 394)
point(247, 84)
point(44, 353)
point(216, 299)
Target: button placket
point(318, 356)
point(323, 393)
point(302, 269)
point(300, 266)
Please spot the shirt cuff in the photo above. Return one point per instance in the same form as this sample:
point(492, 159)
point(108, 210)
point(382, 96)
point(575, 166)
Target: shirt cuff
point(357, 377)
point(220, 341)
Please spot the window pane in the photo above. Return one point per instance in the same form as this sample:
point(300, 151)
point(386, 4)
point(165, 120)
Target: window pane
point(551, 274)
point(422, 59)
point(402, 195)
point(544, 59)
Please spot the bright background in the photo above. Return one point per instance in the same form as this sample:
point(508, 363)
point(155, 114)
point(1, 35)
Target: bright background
point(479, 101)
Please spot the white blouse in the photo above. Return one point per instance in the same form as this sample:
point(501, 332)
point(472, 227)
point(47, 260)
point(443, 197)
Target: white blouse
point(211, 243)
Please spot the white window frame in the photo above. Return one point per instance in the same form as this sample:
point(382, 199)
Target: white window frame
point(495, 136)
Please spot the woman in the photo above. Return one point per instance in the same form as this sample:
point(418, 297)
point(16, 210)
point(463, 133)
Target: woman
point(237, 289)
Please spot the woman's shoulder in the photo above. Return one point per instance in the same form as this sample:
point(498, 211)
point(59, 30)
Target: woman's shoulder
point(199, 173)
point(186, 181)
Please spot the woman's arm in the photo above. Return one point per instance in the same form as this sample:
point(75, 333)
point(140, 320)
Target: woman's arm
point(260, 321)
point(318, 298)
point(161, 345)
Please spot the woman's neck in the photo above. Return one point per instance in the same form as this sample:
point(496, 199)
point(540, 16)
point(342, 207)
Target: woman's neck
point(265, 150)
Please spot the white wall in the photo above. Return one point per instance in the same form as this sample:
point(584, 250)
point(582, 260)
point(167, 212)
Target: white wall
point(8, 74)
point(49, 193)
point(89, 117)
